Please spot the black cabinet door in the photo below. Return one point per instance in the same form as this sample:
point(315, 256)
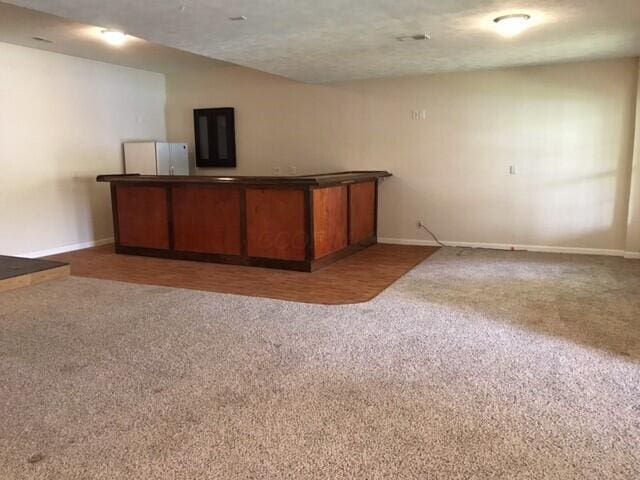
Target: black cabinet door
point(215, 137)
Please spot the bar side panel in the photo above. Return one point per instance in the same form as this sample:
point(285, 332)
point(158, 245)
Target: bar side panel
point(330, 220)
point(362, 211)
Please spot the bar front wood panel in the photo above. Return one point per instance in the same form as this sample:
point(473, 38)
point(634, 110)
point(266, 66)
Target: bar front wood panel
point(207, 219)
point(276, 223)
point(362, 211)
point(330, 220)
point(143, 219)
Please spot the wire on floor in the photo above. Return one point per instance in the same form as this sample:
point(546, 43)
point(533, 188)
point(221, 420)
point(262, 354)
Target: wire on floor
point(423, 226)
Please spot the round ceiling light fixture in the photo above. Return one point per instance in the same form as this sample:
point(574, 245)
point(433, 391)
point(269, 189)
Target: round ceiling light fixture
point(512, 25)
point(113, 37)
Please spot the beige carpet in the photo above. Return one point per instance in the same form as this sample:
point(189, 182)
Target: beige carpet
point(477, 364)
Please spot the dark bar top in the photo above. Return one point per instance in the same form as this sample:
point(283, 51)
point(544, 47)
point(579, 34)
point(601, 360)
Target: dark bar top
point(321, 179)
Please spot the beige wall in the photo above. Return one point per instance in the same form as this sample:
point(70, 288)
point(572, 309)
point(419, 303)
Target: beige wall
point(62, 122)
point(633, 228)
point(568, 129)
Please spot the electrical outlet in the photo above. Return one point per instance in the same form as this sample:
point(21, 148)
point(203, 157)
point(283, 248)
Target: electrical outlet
point(418, 224)
point(418, 114)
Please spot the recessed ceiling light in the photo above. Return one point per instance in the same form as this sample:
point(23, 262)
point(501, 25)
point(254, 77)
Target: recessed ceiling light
point(239, 18)
point(512, 25)
point(113, 37)
point(42, 39)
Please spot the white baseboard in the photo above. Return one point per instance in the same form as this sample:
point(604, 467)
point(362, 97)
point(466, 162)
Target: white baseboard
point(396, 241)
point(67, 248)
point(504, 246)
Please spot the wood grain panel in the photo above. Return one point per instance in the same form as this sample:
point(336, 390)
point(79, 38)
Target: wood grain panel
point(357, 278)
point(330, 227)
point(276, 223)
point(143, 219)
point(207, 219)
point(34, 278)
point(362, 211)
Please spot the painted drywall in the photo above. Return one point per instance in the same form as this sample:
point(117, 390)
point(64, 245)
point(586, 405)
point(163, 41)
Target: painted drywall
point(62, 122)
point(277, 119)
point(567, 129)
point(633, 224)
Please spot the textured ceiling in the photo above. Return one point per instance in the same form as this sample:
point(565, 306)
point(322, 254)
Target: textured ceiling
point(333, 40)
point(19, 26)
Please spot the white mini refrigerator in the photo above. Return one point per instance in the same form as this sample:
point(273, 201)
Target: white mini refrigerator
point(156, 158)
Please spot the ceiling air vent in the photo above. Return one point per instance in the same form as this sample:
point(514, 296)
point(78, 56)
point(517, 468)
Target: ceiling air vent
point(42, 39)
point(418, 36)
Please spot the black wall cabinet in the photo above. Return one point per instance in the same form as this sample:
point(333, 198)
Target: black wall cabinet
point(215, 137)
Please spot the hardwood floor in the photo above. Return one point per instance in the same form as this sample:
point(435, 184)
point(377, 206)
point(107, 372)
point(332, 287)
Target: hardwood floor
point(357, 278)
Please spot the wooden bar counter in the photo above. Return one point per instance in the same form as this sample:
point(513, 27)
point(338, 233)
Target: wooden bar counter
point(294, 223)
